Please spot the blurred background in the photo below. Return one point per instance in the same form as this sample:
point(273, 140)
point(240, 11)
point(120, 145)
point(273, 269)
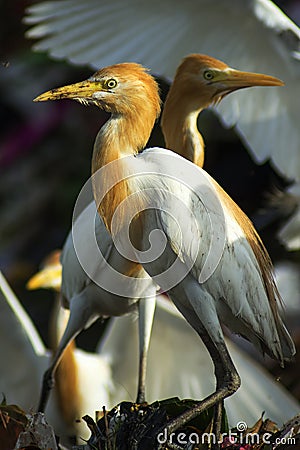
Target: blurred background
point(45, 152)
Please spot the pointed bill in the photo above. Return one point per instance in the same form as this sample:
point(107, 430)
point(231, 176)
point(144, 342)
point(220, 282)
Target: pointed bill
point(236, 79)
point(82, 90)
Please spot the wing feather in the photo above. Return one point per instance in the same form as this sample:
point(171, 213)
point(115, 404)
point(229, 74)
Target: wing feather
point(254, 35)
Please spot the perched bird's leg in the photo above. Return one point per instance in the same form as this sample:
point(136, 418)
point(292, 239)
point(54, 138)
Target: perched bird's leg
point(78, 319)
point(228, 381)
point(146, 314)
point(217, 420)
point(221, 375)
point(48, 378)
point(48, 384)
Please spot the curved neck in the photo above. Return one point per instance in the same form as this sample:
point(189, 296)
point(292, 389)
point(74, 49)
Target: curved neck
point(122, 135)
point(179, 127)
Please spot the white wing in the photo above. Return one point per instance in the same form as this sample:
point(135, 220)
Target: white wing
point(179, 365)
point(252, 35)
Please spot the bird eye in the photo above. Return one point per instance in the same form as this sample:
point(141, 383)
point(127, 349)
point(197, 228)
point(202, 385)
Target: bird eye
point(111, 83)
point(208, 75)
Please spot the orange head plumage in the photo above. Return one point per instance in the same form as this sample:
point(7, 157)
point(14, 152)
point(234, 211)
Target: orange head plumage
point(125, 90)
point(208, 80)
point(200, 81)
point(120, 88)
point(131, 95)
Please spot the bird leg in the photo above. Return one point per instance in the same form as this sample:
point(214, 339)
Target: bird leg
point(77, 321)
point(146, 314)
point(228, 381)
point(219, 373)
point(47, 385)
point(48, 378)
point(217, 420)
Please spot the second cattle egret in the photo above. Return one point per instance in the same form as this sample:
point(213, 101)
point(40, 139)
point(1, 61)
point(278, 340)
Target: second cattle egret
point(238, 288)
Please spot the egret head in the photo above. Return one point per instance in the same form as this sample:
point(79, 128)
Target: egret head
point(203, 80)
point(118, 89)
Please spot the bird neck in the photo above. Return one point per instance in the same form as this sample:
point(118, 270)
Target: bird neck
point(179, 127)
point(121, 136)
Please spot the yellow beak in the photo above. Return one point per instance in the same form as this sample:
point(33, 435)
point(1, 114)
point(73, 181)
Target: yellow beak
point(50, 277)
point(81, 90)
point(235, 79)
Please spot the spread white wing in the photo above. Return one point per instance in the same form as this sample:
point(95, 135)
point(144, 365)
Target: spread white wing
point(252, 35)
